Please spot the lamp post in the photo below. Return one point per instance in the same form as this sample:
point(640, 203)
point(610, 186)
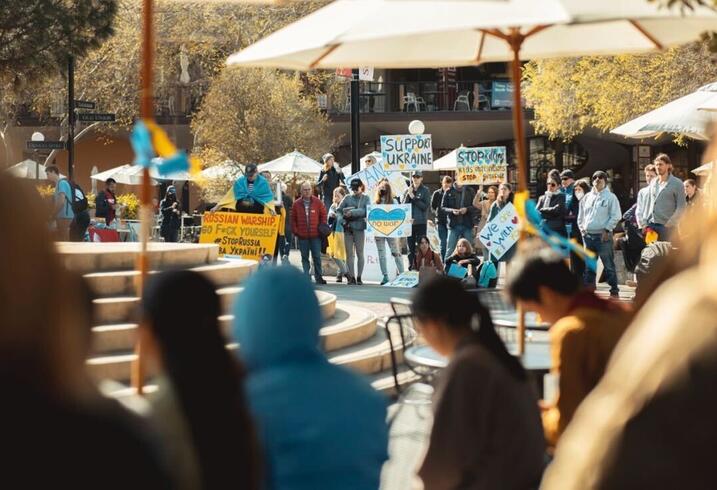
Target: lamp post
point(37, 136)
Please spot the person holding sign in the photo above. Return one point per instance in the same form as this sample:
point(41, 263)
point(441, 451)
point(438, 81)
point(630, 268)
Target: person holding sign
point(504, 198)
point(353, 209)
point(418, 196)
point(250, 194)
point(458, 206)
point(441, 217)
point(385, 196)
point(307, 215)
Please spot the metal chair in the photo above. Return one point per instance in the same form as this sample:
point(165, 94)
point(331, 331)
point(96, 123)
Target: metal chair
point(462, 99)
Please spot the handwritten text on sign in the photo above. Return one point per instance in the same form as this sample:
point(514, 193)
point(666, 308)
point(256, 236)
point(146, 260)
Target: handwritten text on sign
point(389, 220)
point(249, 236)
point(373, 174)
point(406, 152)
point(481, 165)
point(501, 233)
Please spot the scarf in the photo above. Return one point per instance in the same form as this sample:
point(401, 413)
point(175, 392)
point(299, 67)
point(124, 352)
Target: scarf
point(261, 191)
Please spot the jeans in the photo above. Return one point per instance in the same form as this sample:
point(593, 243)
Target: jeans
point(417, 231)
point(663, 232)
point(355, 241)
point(594, 243)
point(443, 237)
point(312, 245)
point(341, 265)
point(288, 239)
point(395, 251)
point(456, 233)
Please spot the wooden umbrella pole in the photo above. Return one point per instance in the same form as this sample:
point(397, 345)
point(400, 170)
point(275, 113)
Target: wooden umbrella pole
point(146, 211)
point(516, 40)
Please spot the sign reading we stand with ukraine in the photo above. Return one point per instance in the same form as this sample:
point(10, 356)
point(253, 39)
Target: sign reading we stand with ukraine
point(389, 220)
point(501, 233)
point(487, 165)
point(407, 152)
point(249, 236)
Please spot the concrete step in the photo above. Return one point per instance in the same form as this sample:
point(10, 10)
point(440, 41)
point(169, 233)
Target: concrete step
point(123, 309)
point(369, 356)
point(121, 283)
point(385, 383)
point(103, 257)
point(349, 325)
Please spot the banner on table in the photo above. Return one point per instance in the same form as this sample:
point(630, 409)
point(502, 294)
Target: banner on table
point(389, 220)
point(373, 174)
point(501, 233)
point(487, 165)
point(249, 236)
point(407, 152)
point(408, 279)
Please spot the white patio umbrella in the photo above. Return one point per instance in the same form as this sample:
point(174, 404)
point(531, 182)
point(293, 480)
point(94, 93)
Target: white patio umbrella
point(228, 169)
point(681, 116)
point(447, 162)
point(704, 170)
point(124, 174)
point(28, 169)
point(292, 163)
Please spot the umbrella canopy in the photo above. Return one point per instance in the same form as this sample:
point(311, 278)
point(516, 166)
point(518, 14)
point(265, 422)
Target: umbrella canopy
point(292, 163)
point(682, 116)
point(447, 162)
point(124, 174)
point(425, 33)
point(703, 170)
point(28, 169)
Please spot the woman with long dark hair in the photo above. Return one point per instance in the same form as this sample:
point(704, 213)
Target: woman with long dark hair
point(200, 407)
point(487, 431)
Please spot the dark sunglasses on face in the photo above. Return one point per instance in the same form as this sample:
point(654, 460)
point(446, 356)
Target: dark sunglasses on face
point(564, 178)
point(552, 184)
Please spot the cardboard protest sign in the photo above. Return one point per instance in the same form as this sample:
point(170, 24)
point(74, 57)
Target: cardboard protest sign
point(389, 220)
point(486, 165)
point(501, 233)
point(249, 236)
point(373, 174)
point(407, 152)
point(408, 279)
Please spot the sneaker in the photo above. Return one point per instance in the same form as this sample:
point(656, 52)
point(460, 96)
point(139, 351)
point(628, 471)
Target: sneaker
point(284, 259)
point(339, 277)
point(358, 281)
point(615, 295)
point(320, 281)
point(385, 280)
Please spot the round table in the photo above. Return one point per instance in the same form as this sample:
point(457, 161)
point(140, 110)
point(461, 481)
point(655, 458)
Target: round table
point(535, 359)
point(509, 319)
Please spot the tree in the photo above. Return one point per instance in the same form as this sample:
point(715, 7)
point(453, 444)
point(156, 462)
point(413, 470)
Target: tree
point(256, 115)
point(603, 92)
point(38, 33)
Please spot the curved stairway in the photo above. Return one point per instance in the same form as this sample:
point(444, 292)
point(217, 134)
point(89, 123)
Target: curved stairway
point(351, 335)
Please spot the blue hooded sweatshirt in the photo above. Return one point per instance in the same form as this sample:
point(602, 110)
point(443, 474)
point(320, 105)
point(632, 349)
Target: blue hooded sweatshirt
point(321, 426)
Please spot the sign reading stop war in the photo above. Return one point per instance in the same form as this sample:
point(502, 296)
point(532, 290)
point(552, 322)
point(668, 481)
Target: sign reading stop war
point(249, 236)
point(486, 165)
point(407, 152)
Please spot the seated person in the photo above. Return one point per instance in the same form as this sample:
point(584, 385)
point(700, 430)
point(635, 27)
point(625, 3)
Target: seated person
point(486, 432)
point(464, 256)
point(426, 258)
point(584, 331)
point(250, 194)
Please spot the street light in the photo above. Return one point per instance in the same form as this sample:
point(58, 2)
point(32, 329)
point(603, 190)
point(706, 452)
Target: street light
point(37, 136)
point(416, 127)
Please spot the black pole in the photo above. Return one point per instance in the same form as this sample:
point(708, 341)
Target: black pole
point(70, 115)
point(355, 123)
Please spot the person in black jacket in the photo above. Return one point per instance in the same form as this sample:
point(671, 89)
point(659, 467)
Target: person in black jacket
point(418, 196)
point(440, 214)
point(106, 202)
point(330, 178)
point(572, 206)
point(458, 206)
point(170, 210)
point(551, 206)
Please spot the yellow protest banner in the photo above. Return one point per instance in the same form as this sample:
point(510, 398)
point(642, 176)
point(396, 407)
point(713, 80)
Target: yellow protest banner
point(249, 236)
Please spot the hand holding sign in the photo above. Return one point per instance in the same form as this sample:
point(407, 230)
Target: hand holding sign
point(389, 220)
point(501, 233)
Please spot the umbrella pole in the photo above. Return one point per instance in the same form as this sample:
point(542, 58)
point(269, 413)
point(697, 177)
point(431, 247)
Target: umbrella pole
point(516, 41)
point(146, 212)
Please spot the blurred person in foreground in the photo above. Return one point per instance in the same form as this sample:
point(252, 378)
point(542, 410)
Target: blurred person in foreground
point(321, 425)
point(199, 408)
point(55, 424)
point(584, 330)
point(650, 422)
point(486, 432)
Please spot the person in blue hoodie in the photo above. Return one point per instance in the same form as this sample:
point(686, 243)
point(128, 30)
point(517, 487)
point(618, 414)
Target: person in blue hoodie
point(321, 426)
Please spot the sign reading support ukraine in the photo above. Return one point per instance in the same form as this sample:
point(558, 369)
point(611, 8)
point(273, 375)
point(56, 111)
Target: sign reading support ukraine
point(407, 152)
point(486, 165)
point(501, 233)
point(389, 220)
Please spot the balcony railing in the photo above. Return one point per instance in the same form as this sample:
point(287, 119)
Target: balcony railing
point(424, 96)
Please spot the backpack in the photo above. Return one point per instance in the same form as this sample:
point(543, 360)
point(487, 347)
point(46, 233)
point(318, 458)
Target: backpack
point(78, 203)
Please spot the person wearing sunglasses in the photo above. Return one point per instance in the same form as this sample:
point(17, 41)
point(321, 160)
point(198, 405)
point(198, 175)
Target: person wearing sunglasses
point(552, 207)
point(598, 216)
